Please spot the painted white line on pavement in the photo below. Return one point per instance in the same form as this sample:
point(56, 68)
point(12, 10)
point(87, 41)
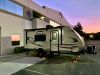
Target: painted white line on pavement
point(36, 72)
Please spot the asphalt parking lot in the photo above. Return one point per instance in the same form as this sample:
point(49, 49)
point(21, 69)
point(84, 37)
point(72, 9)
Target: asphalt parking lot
point(62, 65)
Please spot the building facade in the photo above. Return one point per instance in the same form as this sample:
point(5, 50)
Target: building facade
point(17, 15)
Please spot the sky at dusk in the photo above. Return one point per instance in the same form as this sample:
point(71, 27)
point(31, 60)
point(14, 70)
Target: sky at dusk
point(87, 12)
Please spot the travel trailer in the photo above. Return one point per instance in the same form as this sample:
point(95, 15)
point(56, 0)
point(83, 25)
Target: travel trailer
point(54, 40)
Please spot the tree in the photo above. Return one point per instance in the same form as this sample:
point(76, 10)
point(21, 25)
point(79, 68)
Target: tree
point(96, 36)
point(78, 28)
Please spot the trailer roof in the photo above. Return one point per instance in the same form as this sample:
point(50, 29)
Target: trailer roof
point(44, 28)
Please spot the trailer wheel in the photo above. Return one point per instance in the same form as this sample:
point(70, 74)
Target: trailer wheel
point(40, 52)
point(49, 54)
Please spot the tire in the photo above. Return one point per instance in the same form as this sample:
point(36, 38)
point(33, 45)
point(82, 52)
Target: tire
point(49, 54)
point(40, 52)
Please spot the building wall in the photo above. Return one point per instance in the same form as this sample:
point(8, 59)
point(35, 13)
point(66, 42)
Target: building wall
point(11, 25)
point(48, 12)
point(54, 24)
point(38, 23)
point(41, 23)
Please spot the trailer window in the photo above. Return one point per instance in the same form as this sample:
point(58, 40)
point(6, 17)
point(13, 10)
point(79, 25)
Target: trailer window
point(40, 37)
point(54, 35)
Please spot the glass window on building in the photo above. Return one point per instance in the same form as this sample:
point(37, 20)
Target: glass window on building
point(11, 7)
point(2, 3)
point(19, 10)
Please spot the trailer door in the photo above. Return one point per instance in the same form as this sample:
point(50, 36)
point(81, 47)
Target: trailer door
point(54, 40)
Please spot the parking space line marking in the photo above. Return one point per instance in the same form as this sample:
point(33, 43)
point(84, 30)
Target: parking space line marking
point(36, 72)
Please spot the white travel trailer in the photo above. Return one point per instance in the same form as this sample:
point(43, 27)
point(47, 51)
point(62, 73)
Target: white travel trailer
point(61, 39)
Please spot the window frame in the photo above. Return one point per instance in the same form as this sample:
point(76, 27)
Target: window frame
point(19, 12)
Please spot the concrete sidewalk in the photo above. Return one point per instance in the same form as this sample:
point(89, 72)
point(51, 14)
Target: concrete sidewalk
point(11, 57)
point(8, 68)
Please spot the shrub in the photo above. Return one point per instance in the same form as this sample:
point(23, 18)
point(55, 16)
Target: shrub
point(33, 53)
point(18, 50)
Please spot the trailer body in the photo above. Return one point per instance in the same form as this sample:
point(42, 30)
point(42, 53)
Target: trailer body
point(61, 39)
